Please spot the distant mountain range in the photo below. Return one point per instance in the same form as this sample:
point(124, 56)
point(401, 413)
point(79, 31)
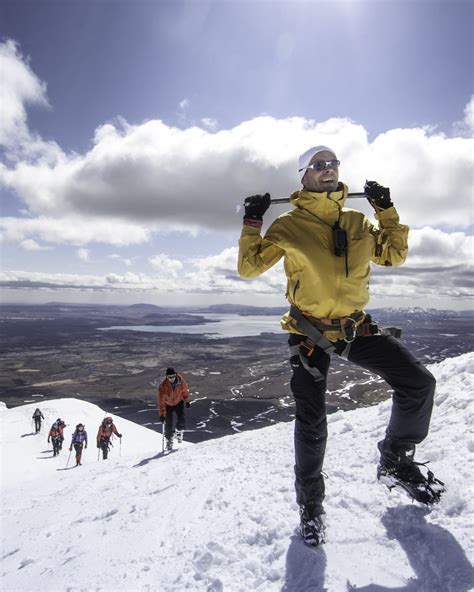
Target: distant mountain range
point(225, 308)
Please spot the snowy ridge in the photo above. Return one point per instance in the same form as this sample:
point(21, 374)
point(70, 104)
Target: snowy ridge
point(220, 516)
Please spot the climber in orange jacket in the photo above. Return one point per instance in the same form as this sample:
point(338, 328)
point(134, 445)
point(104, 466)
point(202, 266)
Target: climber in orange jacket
point(106, 429)
point(172, 397)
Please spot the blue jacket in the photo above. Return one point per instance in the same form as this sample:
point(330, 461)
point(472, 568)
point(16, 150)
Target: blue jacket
point(79, 437)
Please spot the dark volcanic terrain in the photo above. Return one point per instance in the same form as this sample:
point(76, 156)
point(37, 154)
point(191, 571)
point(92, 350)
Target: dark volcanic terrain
point(237, 383)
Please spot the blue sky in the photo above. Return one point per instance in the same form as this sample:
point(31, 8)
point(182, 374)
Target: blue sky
point(132, 129)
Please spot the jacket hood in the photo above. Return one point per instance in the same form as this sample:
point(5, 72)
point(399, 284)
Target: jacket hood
point(325, 205)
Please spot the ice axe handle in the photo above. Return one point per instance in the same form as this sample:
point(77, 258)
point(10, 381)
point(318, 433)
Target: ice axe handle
point(280, 200)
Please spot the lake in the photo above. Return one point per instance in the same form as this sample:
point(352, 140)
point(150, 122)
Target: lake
point(221, 325)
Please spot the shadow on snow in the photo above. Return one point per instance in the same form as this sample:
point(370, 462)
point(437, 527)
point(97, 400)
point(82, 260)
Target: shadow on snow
point(437, 559)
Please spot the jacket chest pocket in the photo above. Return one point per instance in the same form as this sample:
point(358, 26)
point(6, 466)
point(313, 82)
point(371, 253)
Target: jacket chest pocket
point(361, 244)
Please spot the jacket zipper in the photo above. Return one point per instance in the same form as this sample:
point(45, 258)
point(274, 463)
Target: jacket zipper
point(297, 285)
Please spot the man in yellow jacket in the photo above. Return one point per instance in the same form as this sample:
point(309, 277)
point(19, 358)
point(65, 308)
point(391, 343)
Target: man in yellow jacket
point(327, 251)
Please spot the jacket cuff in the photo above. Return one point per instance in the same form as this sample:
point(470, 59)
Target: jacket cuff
point(388, 215)
point(253, 223)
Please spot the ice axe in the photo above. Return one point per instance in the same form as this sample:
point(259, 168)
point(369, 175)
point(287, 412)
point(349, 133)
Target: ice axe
point(280, 200)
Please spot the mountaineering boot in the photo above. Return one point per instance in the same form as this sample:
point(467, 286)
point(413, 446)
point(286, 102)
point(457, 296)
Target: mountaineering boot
point(397, 468)
point(179, 436)
point(169, 444)
point(312, 525)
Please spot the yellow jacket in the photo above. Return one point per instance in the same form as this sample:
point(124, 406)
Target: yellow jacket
point(316, 278)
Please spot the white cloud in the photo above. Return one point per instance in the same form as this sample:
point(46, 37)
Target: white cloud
point(190, 177)
point(183, 111)
point(73, 230)
point(449, 278)
point(432, 247)
point(156, 172)
point(209, 123)
point(466, 126)
point(126, 261)
point(31, 245)
point(469, 114)
point(165, 265)
point(19, 88)
point(83, 254)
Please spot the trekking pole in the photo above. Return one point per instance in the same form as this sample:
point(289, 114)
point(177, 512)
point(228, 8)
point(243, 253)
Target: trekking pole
point(120, 447)
point(98, 454)
point(67, 464)
point(162, 437)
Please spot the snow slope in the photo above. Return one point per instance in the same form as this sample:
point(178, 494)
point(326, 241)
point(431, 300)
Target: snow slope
point(220, 515)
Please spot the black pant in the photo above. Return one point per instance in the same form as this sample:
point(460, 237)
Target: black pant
point(56, 445)
point(180, 423)
point(104, 446)
point(78, 449)
point(412, 401)
point(37, 424)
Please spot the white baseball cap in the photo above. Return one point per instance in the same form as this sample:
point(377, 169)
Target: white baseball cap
point(305, 158)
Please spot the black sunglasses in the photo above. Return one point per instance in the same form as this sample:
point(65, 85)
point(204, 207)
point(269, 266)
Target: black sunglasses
point(321, 165)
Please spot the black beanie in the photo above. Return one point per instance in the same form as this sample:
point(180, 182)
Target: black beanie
point(170, 371)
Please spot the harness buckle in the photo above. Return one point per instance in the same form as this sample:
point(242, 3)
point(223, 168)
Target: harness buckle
point(308, 345)
point(349, 330)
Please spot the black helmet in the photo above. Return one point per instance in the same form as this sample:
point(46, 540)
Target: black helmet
point(79, 425)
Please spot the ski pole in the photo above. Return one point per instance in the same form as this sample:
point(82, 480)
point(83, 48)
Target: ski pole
point(67, 464)
point(98, 454)
point(120, 447)
point(162, 437)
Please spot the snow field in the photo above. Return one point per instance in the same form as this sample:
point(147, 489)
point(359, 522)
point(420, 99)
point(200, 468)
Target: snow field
point(220, 516)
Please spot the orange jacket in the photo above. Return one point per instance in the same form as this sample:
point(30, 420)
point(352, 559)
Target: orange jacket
point(54, 433)
point(166, 395)
point(105, 431)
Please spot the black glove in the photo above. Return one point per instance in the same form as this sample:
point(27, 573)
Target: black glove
point(188, 404)
point(256, 205)
point(119, 435)
point(162, 418)
point(98, 444)
point(70, 448)
point(378, 196)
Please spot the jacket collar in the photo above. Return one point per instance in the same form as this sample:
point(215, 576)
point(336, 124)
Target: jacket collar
point(325, 206)
point(176, 381)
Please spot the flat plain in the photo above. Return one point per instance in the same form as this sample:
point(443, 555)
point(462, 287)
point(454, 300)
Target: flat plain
point(237, 383)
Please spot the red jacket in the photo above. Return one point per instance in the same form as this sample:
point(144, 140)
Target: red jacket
point(105, 431)
point(167, 395)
